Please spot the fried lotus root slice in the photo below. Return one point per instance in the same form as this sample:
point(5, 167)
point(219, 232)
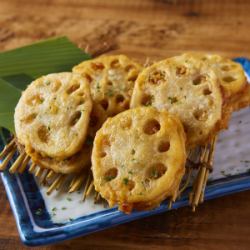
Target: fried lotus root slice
point(138, 158)
point(241, 100)
point(79, 162)
point(52, 115)
point(111, 80)
point(231, 74)
point(188, 89)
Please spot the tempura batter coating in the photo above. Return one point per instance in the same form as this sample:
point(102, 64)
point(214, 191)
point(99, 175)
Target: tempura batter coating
point(78, 162)
point(186, 88)
point(52, 116)
point(230, 74)
point(111, 80)
point(139, 158)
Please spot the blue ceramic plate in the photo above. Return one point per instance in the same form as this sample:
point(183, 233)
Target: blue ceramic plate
point(231, 175)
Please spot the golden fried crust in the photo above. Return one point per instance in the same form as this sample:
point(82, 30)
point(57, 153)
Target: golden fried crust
point(230, 74)
point(186, 88)
point(79, 162)
point(112, 80)
point(241, 100)
point(52, 116)
point(138, 158)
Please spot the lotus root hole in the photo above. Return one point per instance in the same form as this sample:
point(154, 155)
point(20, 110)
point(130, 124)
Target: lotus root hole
point(35, 100)
point(225, 68)
point(115, 63)
point(156, 77)
point(30, 118)
point(75, 118)
point(80, 93)
point(207, 91)
point(97, 66)
point(129, 184)
point(151, 127)
point(102, 154)
point(132, 78)
point(80, 101)
point(73, 88)
point(147, 100)
point(181, 70)
point(104, 103)
point(156, 171)
point(163, 146)
point(105, 142)
point(43, 133)
point(126, 123)
point(228, 67)
point(200, 115)
point(129, 67)
point(110, 83)
point(119, 98)
point(55, 86)
point(110, 174)
point(88, 77)
point(126, 105)
point(228, 79)
point(198, 79)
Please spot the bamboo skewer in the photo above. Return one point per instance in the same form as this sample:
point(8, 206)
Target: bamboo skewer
point(32, 168)
point(17, 163)
point(209, 167)
point(196, 196)
point(50, 175)
point(73, 181)
point(76, 183)
point(90, 188)
point(39, 172)
point(201, 200)
point(43, 177)
point(97, 197)
point(199, 186)
point(170, 204)
point(24, 164)
point(189, 173)
point(60, 182)
point(55, 183)
point(7, 159)
point(200, 178)
point(206, 161)
point(88, 182)
point(7, 149)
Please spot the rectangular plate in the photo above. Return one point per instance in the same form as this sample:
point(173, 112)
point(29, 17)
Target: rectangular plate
point(231, 174)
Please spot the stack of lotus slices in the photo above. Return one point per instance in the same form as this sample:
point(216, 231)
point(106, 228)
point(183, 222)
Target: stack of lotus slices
point(58, 114)
point(202, 90)
point(132, 133)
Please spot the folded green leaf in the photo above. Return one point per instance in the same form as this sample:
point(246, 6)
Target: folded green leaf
point(20, 66)
point(9, 96)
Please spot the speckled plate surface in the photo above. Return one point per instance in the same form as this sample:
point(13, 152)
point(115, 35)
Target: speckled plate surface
point(44, 220)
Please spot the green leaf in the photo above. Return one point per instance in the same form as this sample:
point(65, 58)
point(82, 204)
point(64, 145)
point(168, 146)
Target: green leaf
point(9, 96)
point(20, 66)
